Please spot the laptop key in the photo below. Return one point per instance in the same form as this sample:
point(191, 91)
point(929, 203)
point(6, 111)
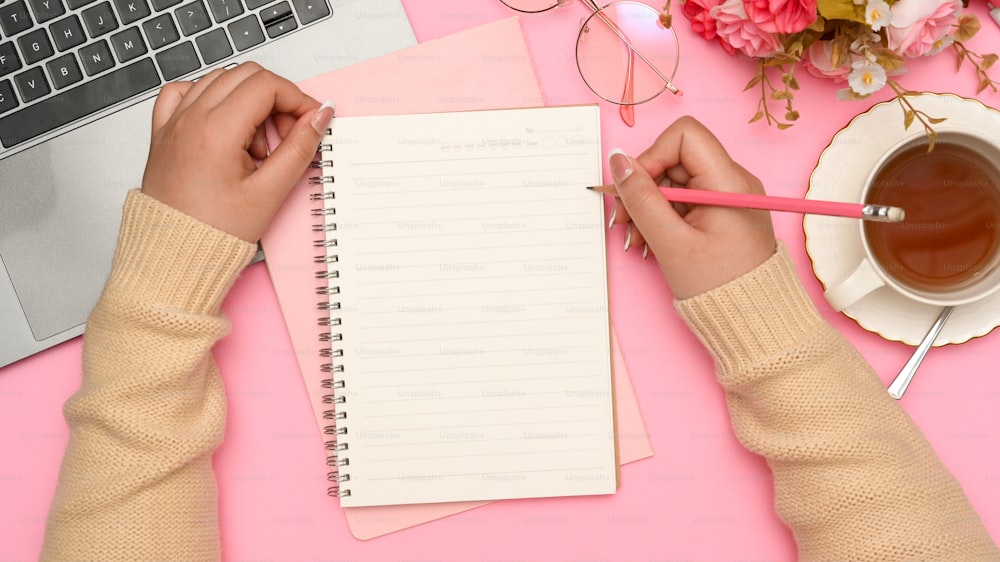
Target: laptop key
point(80, 101)
point(310, 10)
point(164, 4)
point(128, 44)
point(178, 61)
point(67, 32)
point(96, 58)
point(74, 4)
point(214, 46)
point(192, 18)
point(246, 32)
point(35, 46)
point(46, 10)
point(225, 10)
point(99, 19)
point(9, 62)
point(254, 4)
point(131, 11)
point(281, 27)
point(31, 84)
point(160, 31)
point(8, 100)
point(14, 18)
point(275, 13)
point(64, 71)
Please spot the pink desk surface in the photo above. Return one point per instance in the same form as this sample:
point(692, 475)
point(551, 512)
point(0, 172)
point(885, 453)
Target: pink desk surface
point(702, 497)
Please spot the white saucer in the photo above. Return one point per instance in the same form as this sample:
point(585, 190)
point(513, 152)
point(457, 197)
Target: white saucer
point(834, 244)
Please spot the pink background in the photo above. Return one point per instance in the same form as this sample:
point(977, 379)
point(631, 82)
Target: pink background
point(701, 497)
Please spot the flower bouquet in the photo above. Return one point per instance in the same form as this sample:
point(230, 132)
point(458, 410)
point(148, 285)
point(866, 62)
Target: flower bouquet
point(862, 43)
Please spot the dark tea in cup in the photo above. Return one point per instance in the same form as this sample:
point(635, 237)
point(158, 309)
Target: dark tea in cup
point(950, 239)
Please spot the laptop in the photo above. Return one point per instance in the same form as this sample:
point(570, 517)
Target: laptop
point(77, 83)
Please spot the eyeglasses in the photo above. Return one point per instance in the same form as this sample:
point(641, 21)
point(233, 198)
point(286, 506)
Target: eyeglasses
point(624, 53)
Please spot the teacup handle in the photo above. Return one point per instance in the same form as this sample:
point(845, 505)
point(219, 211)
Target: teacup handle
point(863, 280)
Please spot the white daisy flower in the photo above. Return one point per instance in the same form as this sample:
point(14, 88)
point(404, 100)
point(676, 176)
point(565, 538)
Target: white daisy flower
point(877, 14)
point(866, 77)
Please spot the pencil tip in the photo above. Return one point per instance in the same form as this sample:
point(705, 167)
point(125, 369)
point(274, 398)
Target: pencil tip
point(590, 187)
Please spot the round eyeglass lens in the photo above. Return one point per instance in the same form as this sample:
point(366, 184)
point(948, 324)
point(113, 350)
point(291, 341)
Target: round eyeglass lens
point(624, 54)
point(531, 6)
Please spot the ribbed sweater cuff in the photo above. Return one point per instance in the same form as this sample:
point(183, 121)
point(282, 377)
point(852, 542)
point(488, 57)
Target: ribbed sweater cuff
point(754, 317)
point(171, 259)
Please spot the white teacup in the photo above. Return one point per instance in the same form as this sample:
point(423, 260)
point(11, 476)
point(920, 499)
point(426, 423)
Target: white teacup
point(871, 273)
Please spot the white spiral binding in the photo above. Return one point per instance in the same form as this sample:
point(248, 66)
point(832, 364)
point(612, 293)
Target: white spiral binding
point(336, 457)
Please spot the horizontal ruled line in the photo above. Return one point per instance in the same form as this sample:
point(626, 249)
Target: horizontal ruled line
point(466, 425)
point(454, 475)
point(518, 334)
point(478, 218)
point(503, 454)
point(479, 352)
point(474, 204)
point(470, 322)
point(479, 410)
point(475, 381)
point(467, 441)
point(560, 244)
point(471, 158)
point(498, 291)
point(502, 232)
point(478, 366)
point(529, 274)
point(480, 306)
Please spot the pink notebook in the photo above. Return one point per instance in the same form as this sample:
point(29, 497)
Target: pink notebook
point(410, 82)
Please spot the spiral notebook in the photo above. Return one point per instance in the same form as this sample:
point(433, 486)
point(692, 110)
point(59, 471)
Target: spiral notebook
point(466, 295)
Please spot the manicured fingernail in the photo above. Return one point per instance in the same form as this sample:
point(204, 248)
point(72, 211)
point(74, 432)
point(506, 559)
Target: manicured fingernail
point(628, 238)
point(620, 165)
point(321, 120)
point(645, 250)
point(611, 221)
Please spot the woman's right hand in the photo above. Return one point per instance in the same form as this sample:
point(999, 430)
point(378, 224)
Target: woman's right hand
point(698, 247)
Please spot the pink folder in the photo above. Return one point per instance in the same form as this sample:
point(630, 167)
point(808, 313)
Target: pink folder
point(482, 68)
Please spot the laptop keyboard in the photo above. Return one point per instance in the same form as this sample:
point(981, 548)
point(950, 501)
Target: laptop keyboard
point(62, 60)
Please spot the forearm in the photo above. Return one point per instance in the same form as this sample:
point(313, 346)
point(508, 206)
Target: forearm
point(136, 480)
point(855, 479)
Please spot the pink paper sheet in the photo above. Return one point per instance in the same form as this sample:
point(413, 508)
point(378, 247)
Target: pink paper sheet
point(485, 67)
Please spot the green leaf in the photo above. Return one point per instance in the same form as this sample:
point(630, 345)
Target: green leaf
point(754, 81)
point(757, 117)
point(782, 126)
point(841, 10)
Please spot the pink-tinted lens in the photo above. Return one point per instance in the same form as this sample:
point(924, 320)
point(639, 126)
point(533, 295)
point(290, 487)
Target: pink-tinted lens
point(625, 56)
point(531, 6)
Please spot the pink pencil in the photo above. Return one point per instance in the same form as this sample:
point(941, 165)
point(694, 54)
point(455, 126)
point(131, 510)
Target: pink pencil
point(881, 213)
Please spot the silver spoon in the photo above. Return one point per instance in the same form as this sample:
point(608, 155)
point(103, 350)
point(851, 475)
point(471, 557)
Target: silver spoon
point(902, 380)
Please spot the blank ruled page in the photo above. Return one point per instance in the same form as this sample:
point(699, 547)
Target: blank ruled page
point(472, 293)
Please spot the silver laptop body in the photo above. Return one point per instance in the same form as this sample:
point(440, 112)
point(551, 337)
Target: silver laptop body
point(61, 193)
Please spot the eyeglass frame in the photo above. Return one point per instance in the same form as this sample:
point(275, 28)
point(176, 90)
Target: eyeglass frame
point(597, 11)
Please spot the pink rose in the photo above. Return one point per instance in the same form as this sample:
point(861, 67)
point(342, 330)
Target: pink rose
point(917, 24)
point(818, 61)
point(702, 23)
point(734, 28)
point(781, 16)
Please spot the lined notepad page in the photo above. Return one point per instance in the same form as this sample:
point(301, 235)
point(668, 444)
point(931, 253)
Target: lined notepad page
point(472, 293)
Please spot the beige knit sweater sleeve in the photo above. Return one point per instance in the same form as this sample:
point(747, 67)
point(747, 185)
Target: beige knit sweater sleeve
point(136, 481)
point(854, 478)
